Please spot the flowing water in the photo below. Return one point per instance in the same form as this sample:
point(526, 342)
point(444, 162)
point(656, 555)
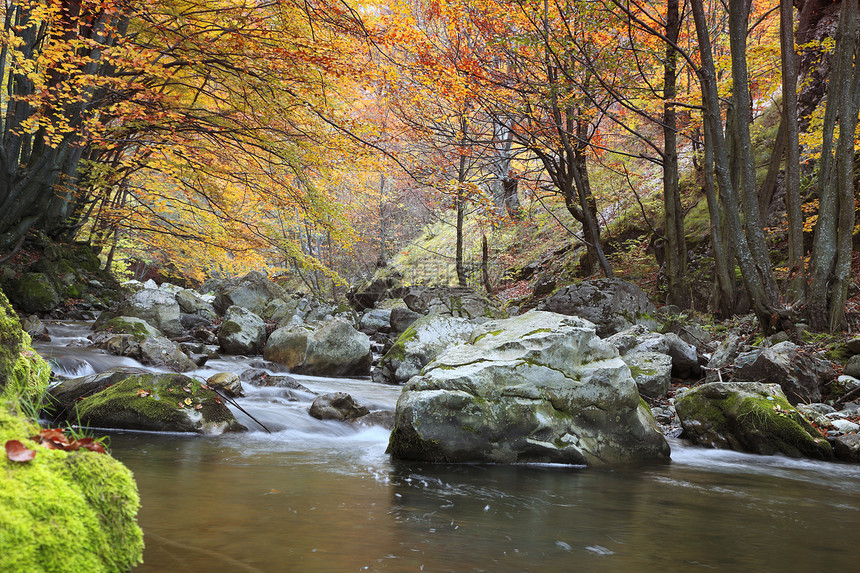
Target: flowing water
point(323, 496)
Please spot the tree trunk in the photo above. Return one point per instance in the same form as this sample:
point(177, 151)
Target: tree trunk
point(765, 300)
point(792, 151)
point(830, 274)
point(485, 264)
point(673, 213)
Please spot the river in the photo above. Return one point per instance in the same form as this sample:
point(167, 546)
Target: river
point(324, 497)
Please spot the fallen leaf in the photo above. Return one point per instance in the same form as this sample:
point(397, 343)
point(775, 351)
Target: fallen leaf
point(91, 445)
point(198, 406)
point(188, 401)
point(143, 393)
point(181, 405)
point(18, 452)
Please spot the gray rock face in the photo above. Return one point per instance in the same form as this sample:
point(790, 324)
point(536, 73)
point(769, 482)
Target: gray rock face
point(155, 306)
point(750, 417)
point(160, 351)
point(153, 350)
point(336, 406)
point(402, 318)
point(685, 359)
point(611, 304)
point(128, 325)
point(540, 387)
point(722, 357)
point(190, 302)
point(420, 344)
point(335, 348)
point(450, 301)
point(376, 320)
point(651, 371)
point(251, 292)
point(800, 376)
point(242, 332)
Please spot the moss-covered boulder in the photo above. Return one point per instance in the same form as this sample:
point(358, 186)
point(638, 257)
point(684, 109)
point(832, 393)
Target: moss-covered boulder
point(540, 387)
point(65, 512)
point(422, 342)
point(22, 371)
point(153, 402)
point(750, 417)
point(34, 292)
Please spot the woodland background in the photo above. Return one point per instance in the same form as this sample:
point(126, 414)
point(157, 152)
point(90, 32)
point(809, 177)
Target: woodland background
point(705, 150)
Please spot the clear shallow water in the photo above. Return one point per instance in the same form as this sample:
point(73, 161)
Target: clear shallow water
point(323, 496)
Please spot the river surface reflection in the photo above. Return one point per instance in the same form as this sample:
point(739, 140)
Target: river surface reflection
point(259, 502)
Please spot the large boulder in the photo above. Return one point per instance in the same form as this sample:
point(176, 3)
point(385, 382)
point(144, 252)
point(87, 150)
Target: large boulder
point(242, 332)
point(365, 296)
point(423, 341)
point(154, 402)
point(451, 301)
point(799, 375)
point(251, 292)
point(750, 417)
point(611, 304)
point(34, 292)
point(191, 302)
point(155, 306)
point(334, 348)
point(540, 387)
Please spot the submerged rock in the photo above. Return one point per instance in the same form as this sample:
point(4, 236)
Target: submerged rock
point(336, 406)
point(540, 387)
point(153, 402)
point(750, 417)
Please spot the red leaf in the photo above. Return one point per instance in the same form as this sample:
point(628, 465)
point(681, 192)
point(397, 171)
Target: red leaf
point(18, 452)
point(91, 445)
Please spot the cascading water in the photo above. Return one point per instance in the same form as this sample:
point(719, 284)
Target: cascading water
point(323, 496)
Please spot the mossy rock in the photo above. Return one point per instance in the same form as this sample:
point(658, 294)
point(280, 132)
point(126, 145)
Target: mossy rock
point(157, 402)
point(34, 292)
point(137, 327)
point(65, 512)
point(751, 417)
point(22, 371)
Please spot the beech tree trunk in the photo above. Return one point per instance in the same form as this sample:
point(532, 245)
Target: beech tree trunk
point(747, 237)
point(673, 213)
point(831, 255)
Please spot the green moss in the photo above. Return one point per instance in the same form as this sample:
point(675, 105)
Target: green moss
point(492, 333)
point(23, 373)
point(171, 399)
point(65, 512)
point(636, 371)
point(757, 423)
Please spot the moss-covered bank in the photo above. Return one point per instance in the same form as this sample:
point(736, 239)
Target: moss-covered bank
point(64, 512)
